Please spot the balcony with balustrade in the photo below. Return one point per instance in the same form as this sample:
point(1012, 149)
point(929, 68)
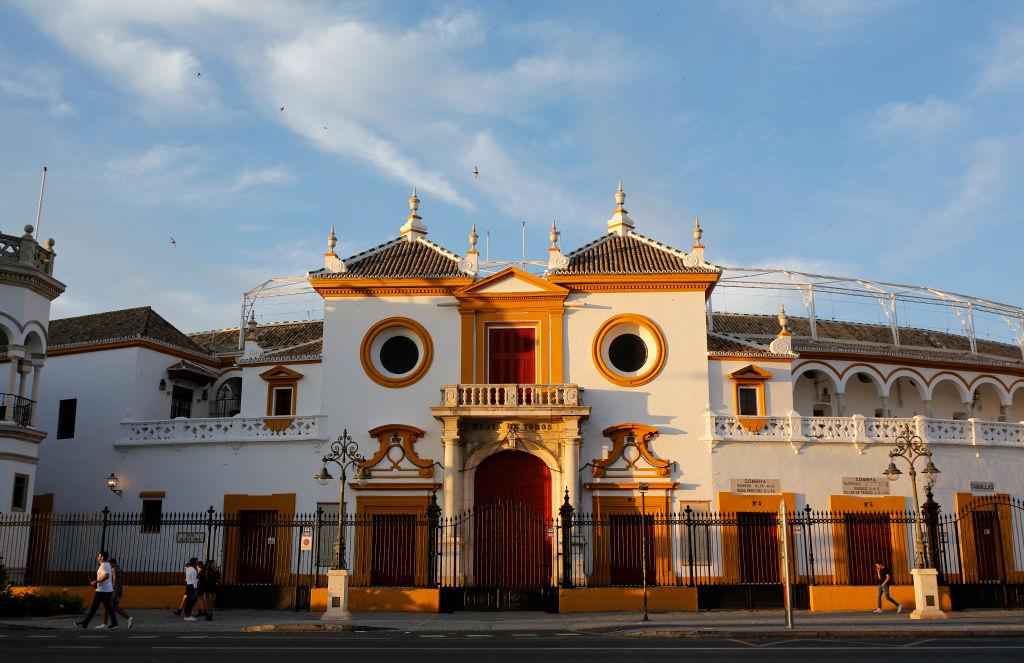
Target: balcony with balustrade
point(859, 431)
point(230, 431)
point(520, 401)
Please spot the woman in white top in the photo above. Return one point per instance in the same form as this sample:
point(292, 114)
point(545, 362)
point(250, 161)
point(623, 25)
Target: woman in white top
point(191, 582)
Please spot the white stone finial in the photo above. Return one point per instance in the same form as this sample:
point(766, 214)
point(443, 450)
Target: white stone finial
point(782, 317)
point(473, 237)
point(332, 241)
point(697, 232)
point(620, 223)
point(553, 235)
point(252, 323)
point(414, 202)
point(413, 228)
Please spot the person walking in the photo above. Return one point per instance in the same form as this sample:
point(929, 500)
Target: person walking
point(211, 576)
point(191, 584)
point(118, 590)
point(885, 575)
point(104, 591)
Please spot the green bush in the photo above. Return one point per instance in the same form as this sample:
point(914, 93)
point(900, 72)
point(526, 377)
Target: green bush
point(31, 604)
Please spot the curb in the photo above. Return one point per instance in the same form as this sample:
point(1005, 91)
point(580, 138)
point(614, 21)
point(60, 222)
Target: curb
point(826, 634)
point(308, 628)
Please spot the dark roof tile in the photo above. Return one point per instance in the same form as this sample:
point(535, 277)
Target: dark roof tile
point(142, 322)
point(631, 253)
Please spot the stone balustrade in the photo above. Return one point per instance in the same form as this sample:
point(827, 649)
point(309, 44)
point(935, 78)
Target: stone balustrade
point(859, 430)
point(226, 430)
point(509, 395)
point(25, 251)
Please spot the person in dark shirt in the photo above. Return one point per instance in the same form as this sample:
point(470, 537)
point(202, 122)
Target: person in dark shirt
point(885, 575)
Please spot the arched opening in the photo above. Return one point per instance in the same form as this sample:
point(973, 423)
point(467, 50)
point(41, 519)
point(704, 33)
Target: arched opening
point(949, 400)
point(228, 400)
point(512, 502)
point(814, 394)
point(987, 402)
point(862, 394)
point(905, 398)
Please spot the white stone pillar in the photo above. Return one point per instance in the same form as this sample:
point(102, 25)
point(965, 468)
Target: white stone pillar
point(36, 369)
point(22, 378)
point(885, 407)
point(927, 407)
point(840, 408)
point(452, 458)
point(14, 352)
point(570, 460)
point(969, 409)
point(926, 595)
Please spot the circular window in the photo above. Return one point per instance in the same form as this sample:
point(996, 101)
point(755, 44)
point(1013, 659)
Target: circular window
point(629, 350)
point(396, 352)
point(399, 355)
point(628, 353)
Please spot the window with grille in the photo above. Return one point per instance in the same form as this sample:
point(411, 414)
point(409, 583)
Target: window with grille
point(152, 516)
point(181, 402)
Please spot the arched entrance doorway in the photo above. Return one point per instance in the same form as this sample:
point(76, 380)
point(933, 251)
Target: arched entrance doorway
point(512, 549)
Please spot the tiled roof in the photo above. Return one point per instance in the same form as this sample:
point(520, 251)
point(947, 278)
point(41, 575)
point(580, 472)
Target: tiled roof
point(272, 337)
point(142, 322)
point(718, 343)
point(312, 348)
point(838, 336)
point(399, 259)
point(631, 253)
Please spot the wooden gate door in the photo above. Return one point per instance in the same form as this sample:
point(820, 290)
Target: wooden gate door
point(759, 547)
point(513, 357)
point(868, 540)
point(627, 552)
point(257, 547)
point(394, 551)
point(511, 540)
point(986, 546)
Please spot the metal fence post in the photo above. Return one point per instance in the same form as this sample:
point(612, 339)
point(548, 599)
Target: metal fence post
point(209, 530)
point(317, 525)
point(103, 528)
point(566, 512)
point(930, 513)
point(433, 524)
point(807, 543)
point(689, 541)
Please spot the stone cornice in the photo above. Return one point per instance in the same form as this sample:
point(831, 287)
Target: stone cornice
point(23, 277)
point(12, 431)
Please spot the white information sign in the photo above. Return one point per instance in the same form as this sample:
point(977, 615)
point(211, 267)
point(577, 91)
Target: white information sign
point(866, 486)
point(756, 486)
point(983, 486)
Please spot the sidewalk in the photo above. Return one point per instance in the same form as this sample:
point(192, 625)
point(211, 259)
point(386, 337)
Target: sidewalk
point(718, 624)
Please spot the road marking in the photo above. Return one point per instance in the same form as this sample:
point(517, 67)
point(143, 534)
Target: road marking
point(192, 637)
point(142, 637)
point(74, 647)
point(596, 648)
point(433, 636)
point(42, 636)
point(524, 635)
point(479, 635)
point(566, 633)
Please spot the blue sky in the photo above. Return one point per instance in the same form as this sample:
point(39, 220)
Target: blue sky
point(881, 140)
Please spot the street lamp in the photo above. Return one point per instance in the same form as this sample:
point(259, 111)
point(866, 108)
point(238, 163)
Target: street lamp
point(344, 453)
point(910, 448)
point(643, 487)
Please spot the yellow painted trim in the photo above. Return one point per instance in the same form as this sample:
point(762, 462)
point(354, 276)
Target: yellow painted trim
point(329, 288)
point(282, 503)
point(382, 599)
point(466, 318)
point(654, 505)
point(863, 598)
point(732, 504)
point(609, 372)
point(368, 506)
point(598, 599)
point(408, 435)
point(1004, 517)
point(140, 343)
point(413, 377)
point(643, 435)
point(281, 377)
point(630, 485)
point(636, 283)
point(867, 504)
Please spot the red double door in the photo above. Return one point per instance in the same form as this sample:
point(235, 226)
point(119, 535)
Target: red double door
point(513, 355)
point(511, 520)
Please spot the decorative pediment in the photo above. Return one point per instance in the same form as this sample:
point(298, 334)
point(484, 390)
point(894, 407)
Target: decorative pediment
point(750, 372)
point(630, 456)
point(511, 281)
point(281, 374)
point(396, 457)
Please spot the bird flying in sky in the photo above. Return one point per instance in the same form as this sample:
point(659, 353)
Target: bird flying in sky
point(476, 173)
point(173, 243)
point(282, 108)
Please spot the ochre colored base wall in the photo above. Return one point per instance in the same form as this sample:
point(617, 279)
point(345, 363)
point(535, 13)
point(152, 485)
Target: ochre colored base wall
point(864, 598)
point(381, 599)
point(159, 596)
point(627, 599)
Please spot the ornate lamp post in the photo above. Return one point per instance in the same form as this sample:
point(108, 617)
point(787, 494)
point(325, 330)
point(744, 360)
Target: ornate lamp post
point(344, 453)
point(926, 590)
point(910, 448)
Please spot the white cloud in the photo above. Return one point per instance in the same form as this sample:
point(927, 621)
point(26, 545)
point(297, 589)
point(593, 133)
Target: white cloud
point(928, 118)
point(251, 178)
point(1004, 60)
point(35, 84)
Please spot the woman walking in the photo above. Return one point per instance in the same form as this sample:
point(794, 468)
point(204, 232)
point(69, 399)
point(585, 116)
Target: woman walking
point(211, 577)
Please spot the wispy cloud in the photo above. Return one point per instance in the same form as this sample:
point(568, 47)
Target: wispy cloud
point(35, 84)
point(922, 120)
point(1003, 61)
point(252, 178)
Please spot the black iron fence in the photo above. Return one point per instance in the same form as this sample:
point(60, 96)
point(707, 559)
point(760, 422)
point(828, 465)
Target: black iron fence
point(20, 409)
point(508, 545)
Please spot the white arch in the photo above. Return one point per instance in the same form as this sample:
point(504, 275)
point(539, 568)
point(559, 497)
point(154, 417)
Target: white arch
point(955, 380)
point(816, 366)
point(1004, 395)
point(915, 379)
point(482, 454)
point(872, 373)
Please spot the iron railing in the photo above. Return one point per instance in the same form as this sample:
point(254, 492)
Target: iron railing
point(20, 409)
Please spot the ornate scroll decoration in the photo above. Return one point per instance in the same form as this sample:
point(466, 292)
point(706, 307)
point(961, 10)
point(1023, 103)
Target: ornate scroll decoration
point(630, 456)
point(396, 453)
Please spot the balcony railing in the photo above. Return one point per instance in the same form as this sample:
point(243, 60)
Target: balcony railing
point(860, 430)
point(225, 407)
point(19, 409)
point(510, 395)
point(220, 430)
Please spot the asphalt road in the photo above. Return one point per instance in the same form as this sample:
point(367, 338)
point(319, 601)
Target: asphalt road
point(473, 647)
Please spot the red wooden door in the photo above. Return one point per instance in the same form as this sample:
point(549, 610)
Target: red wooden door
point(759, 547)
point(628, 553)
point(985, 545)
point(258, 544)
point(394, 551)
point(868, 540)
point(513, 356)
point(512, 546)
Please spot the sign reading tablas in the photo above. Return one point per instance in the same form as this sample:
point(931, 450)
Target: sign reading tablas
point(983, 486)
point(190, 537)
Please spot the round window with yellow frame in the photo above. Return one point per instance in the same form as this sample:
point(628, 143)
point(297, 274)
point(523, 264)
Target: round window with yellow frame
point(629, 350)
point(396, 352)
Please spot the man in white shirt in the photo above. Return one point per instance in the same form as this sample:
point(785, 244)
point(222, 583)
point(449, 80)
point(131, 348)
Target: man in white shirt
point(104, 592)
point(191, 583)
